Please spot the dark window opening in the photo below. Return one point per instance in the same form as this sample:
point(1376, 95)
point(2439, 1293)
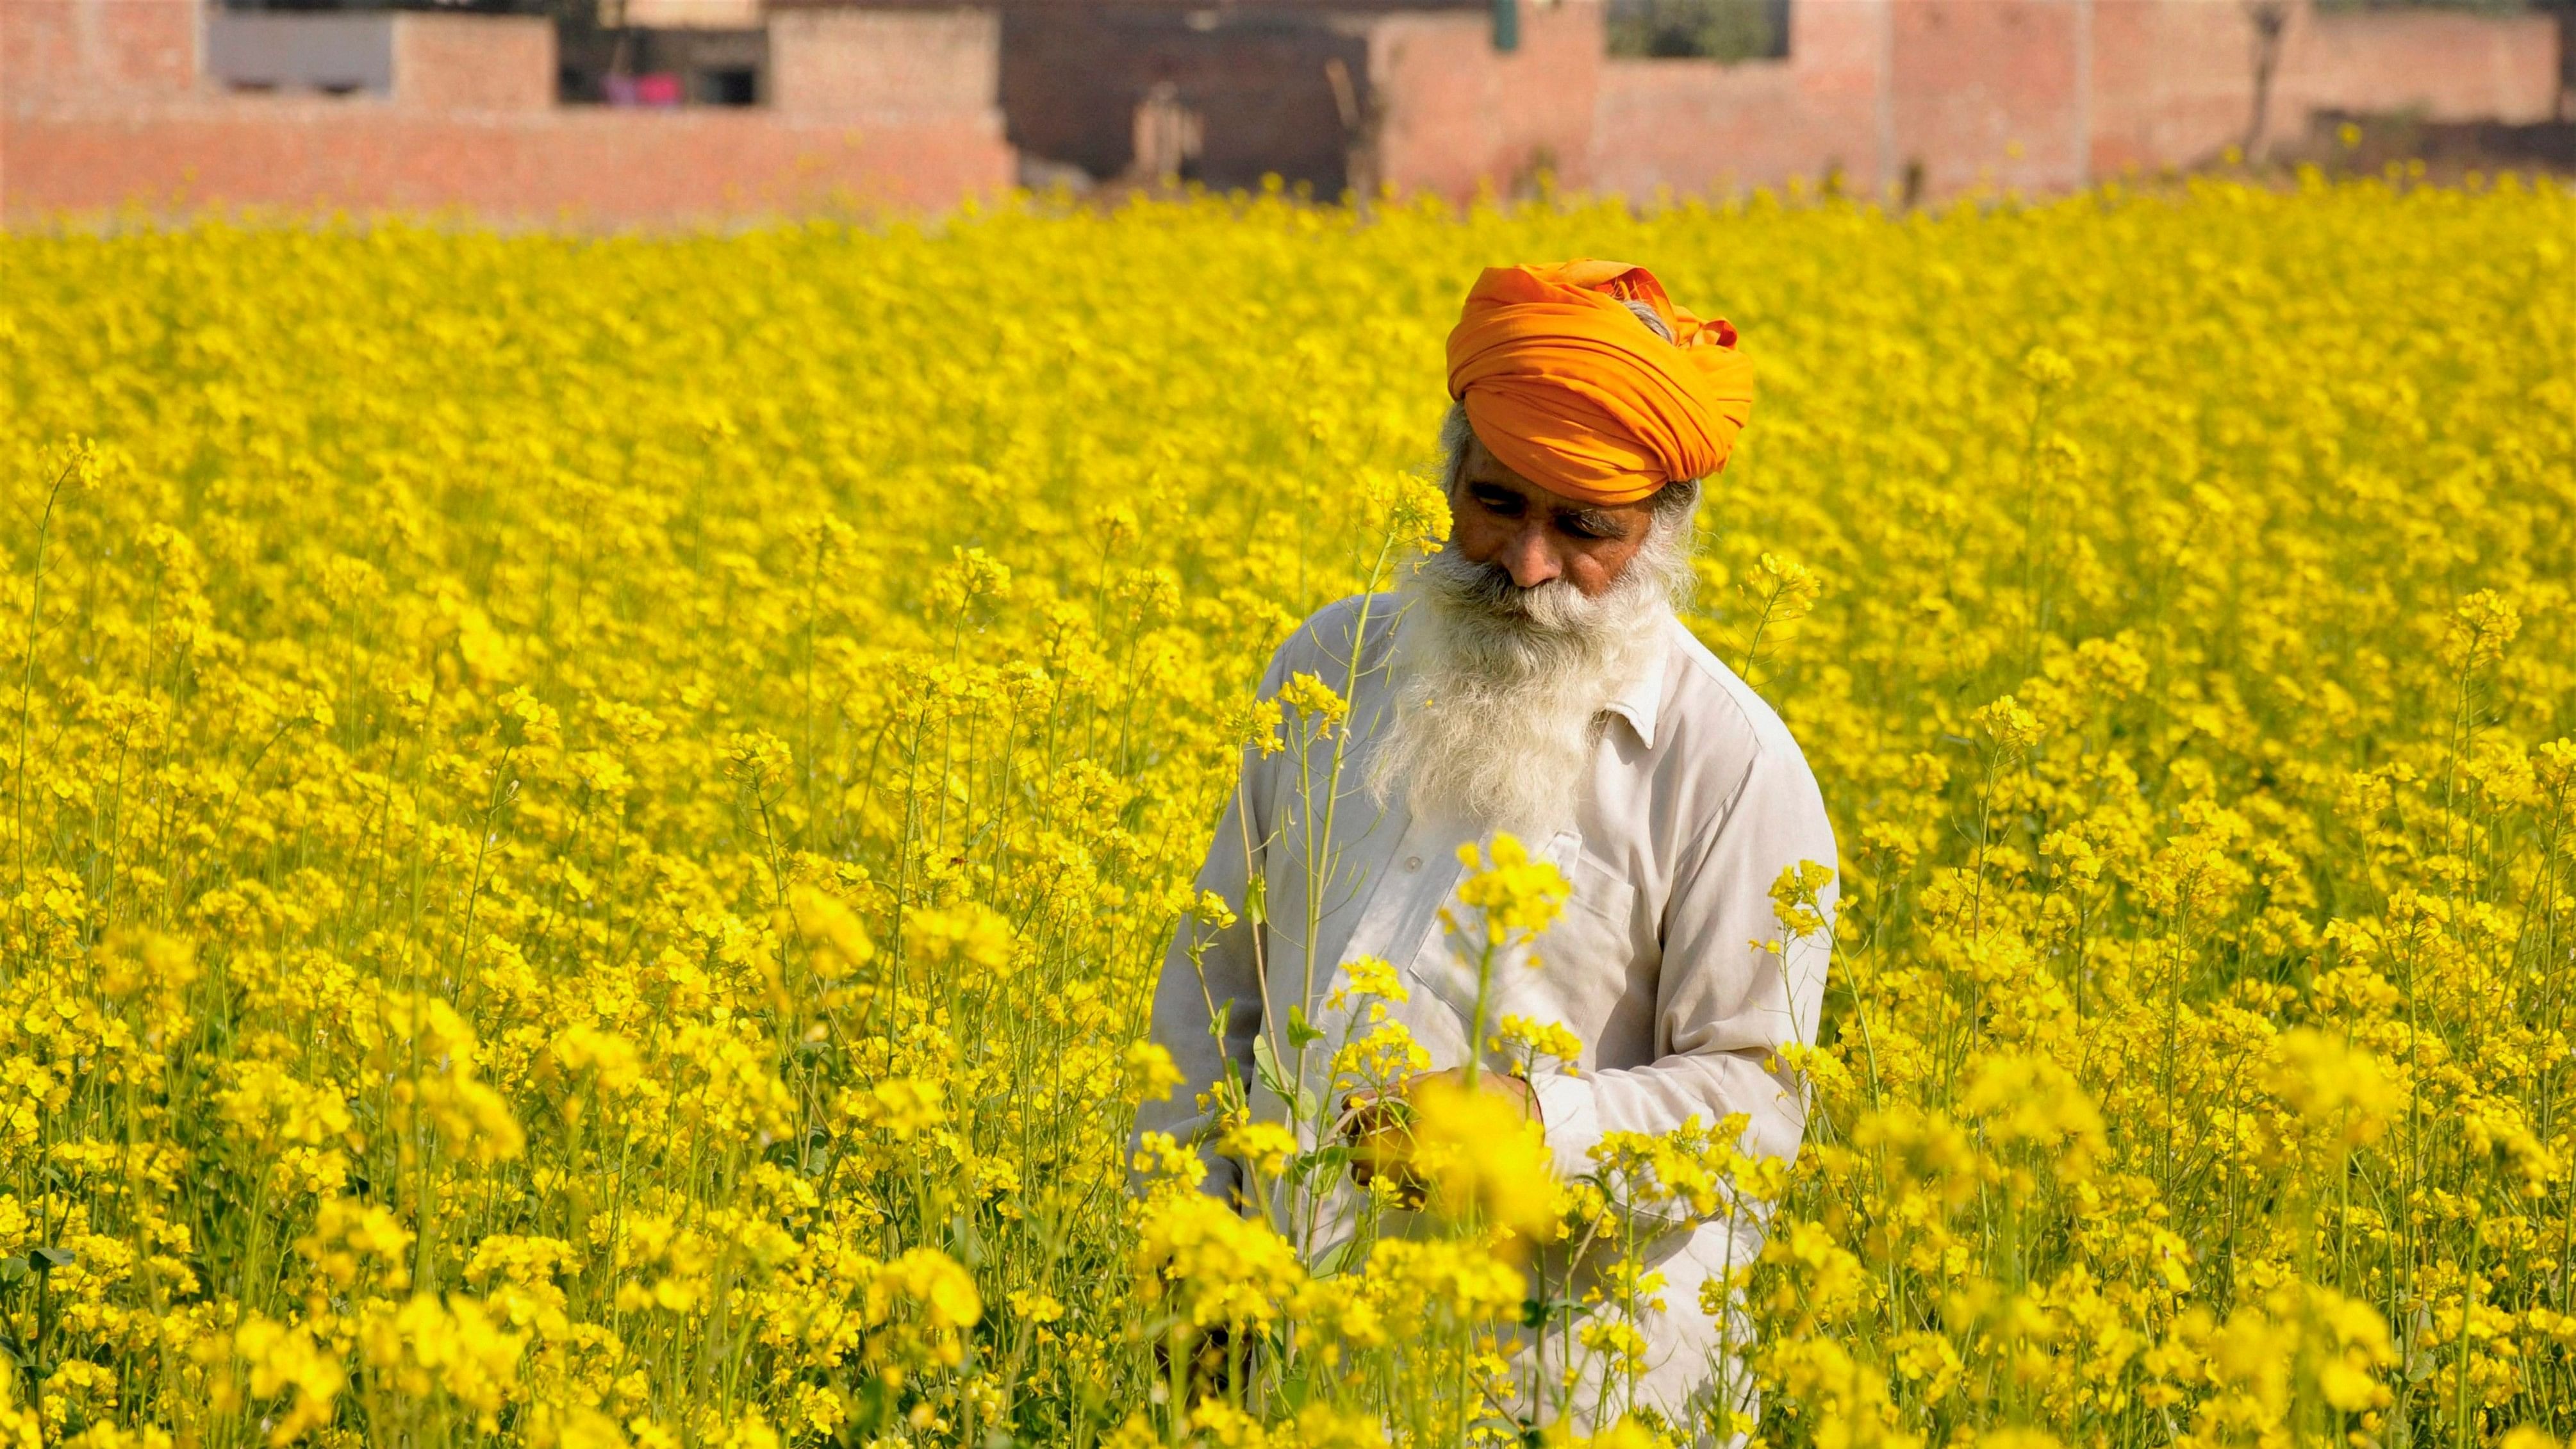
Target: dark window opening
point(654, 67)
point(728, 86)
point(1223, 95)
point(1699, 29)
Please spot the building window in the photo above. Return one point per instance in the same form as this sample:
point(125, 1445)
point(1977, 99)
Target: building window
point(646, 65)
point(1699, 29)
point(728, 86)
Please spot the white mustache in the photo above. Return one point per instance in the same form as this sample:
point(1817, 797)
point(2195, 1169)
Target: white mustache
point(1555, 606)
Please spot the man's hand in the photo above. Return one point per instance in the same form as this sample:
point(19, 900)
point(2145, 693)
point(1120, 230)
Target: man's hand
point(1379, 1126)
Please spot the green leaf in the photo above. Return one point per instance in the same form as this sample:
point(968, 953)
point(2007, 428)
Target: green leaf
point(1274, 1079)
point(1340, 1258)
point(1333, 1157)
point(965, 1244)
point(1265, 1063)
point(1300, 1032)
point(1293, 1390)
point(1535, 1312)
point(872, 1407)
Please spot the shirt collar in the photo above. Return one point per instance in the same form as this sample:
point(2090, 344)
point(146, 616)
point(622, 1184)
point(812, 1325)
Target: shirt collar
point(1644, 695)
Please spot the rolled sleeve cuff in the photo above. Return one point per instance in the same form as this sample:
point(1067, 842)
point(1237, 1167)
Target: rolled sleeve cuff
point(1566, 1115)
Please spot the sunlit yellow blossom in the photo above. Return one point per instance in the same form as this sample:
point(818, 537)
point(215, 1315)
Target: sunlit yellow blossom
point(451, 1346)
point(1264, 1146)
point(2345, 1092)
point(587, 825)
point(1511, 894)
point(1315, 699)
point(282, 1359)
point(1533, 1040)
point(1483, 1158)
point(1212, 1265)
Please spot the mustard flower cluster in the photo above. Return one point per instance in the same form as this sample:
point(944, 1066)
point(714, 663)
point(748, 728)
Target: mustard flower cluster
point(586, 826)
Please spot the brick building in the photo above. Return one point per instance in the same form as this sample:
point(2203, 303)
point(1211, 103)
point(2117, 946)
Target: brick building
point(1927, 96)
point(803, 107)
point(107, 104)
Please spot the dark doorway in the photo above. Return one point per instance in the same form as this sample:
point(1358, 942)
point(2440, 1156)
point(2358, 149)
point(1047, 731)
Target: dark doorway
point(1221, 96)
point(728, 86)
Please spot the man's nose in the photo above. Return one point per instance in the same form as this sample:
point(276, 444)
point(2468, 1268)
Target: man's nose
point(1530, 559)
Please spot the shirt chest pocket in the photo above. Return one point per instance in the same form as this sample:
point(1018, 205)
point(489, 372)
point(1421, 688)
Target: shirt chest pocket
point(1596, 934)
point(1586, 956)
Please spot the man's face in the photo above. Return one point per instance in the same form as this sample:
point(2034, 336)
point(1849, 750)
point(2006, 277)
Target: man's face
point(1499, 517)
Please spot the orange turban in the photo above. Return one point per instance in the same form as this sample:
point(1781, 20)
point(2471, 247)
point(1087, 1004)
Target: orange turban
point(1571, 390)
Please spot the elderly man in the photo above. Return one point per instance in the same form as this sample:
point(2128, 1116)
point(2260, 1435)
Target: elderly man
point(1532, 679)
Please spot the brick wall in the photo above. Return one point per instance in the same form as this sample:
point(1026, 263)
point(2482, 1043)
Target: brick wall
point(2173, 83)
point(2174, 79)
point(2043, 95)
point(102, 102)
point(892, 63)
point(1991, 92)
point(57, 49)
point(1455, 115)
point(102, 106)
point(1701, 125)
point(572, 166)
point(2444, 66)
point(473, 62)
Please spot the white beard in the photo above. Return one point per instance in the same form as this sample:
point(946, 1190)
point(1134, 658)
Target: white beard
point(1500, 690)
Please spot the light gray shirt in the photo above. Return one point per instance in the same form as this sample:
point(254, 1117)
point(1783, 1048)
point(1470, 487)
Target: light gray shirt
point(1694, 801)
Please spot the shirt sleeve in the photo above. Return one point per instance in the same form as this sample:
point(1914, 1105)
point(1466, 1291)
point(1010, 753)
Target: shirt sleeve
point(1207, 1012)
point(1725, 1001)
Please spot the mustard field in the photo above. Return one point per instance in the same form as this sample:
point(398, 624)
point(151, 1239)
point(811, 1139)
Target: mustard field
point(588, 823)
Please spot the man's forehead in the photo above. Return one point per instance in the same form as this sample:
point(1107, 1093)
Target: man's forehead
point(1484, 469)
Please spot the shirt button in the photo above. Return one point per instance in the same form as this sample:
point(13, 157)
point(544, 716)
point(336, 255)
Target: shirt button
point(1413, 862)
